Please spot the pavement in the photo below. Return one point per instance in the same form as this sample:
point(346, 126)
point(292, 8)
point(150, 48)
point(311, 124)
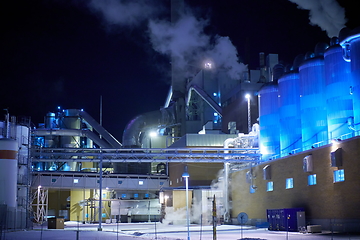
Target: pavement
point(138, 231)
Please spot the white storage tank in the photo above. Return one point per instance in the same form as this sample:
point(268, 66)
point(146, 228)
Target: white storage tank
point(8, 171)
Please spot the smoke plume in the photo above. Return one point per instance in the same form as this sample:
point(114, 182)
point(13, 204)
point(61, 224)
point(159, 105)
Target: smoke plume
point(124, 13)
point(184, 40)
point(327, 14)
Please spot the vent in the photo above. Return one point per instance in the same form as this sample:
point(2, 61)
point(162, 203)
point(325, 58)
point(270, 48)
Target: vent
point(267, 172)
point(336, 158)
point(308, 163)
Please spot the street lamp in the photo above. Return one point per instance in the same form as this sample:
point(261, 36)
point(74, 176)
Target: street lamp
point(151, 135)
point(247, 96)
point(186, 176)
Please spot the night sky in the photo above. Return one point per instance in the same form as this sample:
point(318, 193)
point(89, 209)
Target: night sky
point(69, 53)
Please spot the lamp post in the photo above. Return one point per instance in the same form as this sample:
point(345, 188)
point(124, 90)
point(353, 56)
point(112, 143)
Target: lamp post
point(186, 176)
point(247, 96)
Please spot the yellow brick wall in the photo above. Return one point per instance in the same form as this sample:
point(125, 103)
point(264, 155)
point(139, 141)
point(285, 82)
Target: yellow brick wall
point(325, 200)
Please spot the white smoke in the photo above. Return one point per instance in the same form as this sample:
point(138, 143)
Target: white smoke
point(124, 13)
point(327, 14)
point(187, 41)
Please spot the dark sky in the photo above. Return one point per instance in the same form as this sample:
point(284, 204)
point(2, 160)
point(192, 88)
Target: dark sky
point(65, 53)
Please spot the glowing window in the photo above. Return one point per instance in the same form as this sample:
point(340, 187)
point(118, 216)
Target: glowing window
point(141, 182)
point(312, 179)
point(270, 186)
point(289, 183)
point(123, 195)
point(339, 175)
point(76, 180)
point(136, 195)
point(146, 195)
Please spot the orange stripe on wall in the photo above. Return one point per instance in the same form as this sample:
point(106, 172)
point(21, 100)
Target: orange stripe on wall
point(8, 154)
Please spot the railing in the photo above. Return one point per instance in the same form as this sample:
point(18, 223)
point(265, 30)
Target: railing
point(145, 155)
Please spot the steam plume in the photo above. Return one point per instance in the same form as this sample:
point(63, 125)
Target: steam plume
point(187, 41)
point(327, 14)
point(125, 13)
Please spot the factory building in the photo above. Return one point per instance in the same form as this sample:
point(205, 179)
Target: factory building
point(279, 137)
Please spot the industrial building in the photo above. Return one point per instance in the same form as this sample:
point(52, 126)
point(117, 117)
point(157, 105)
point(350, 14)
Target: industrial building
point(279, 137)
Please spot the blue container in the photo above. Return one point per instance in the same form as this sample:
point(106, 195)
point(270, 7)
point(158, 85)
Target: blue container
point(313, 103)
point(290, 121)
point(269, 120)
point(339, 101)
point(351, 46)
point(283, 219)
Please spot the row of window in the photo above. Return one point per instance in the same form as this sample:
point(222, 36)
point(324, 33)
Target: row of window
point(339, 176)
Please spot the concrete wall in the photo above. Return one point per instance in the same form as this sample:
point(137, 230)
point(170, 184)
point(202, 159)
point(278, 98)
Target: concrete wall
point(323, 202)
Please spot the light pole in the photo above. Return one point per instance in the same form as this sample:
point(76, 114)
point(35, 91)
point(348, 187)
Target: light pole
point(186, 176)
point(247, 96)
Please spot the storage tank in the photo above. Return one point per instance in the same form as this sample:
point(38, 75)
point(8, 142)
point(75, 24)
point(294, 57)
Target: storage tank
point(289, 113)
point(8, 171)
point(70, 120)
point(339, 101)
point(351, 52)
point(269, 120)
point(313, 102)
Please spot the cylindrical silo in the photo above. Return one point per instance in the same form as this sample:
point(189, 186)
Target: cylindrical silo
point(289, 113)
point(269, 120)
point(339, 101)
point(313, 103)
point(8, 171)
point(70, 120)
point(351, 51)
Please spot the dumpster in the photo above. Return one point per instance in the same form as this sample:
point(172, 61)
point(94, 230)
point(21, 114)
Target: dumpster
point(55, 223)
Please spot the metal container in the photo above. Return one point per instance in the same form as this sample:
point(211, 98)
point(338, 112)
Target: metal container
point(313, 103)
point(351, 53)
point(289, 106)
point(269, 120)
point(339, 100)
point(8, 171)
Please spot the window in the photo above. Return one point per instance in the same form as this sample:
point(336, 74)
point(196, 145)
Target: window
point(339, 175)
point(312, 179)
point(76, 180)
point(269, 186)
point(141, 182)
point(289, 183)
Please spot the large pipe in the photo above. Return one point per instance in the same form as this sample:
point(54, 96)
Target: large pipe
point(134, 130)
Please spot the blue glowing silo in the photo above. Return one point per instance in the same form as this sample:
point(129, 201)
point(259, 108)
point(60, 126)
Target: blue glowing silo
point(339, 101)
point(351, 53)
point(312, 100)
point(269, 120)
point(289, 111)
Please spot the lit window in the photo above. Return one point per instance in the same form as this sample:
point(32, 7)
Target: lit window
point(123, 195)
point(216, 114)
point(289, 183)
point(136, 195)
point(214, 94)
point(146, 195)
point(76, 180)
point(312, 179)
point(339, 175)
point(141, 182)
point(270, 186)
